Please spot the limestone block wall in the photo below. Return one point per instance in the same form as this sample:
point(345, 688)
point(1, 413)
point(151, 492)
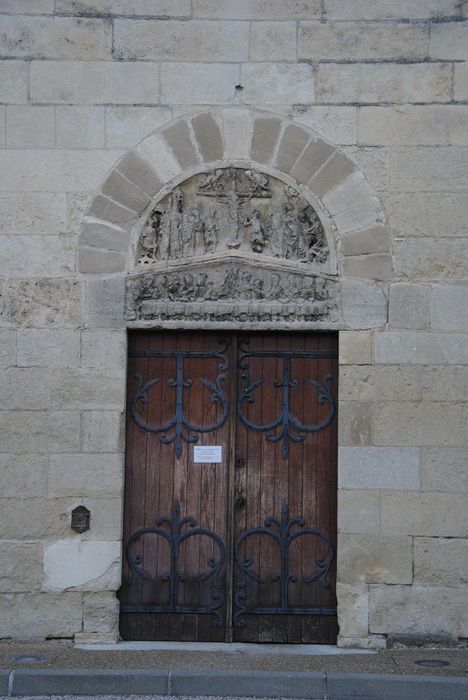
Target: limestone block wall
point(386, 85)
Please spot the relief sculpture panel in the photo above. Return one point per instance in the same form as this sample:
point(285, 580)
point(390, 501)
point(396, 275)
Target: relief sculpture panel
point(233, 209)
point(232, 245)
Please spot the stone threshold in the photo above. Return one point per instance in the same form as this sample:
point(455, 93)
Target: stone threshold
point(227, 648)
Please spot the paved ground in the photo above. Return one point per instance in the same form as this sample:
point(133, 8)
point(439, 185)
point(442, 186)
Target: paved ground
point(60, 670)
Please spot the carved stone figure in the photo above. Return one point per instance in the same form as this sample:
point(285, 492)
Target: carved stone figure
point(211, 231)
point(257, 233)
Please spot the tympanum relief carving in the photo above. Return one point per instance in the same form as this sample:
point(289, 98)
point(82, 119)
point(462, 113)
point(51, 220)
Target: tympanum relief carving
point(232, 245)
point(233, 209)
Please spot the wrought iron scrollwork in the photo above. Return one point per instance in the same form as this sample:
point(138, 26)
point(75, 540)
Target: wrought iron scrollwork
point(283, 531)
point(176, 530)
point(179, 424)
point(285, 427)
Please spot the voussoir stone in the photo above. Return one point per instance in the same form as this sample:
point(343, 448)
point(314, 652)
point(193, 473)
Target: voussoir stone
point(264, 138)
point(292, 144)
point(178, 139)
point(208, 135)
point(139, 171)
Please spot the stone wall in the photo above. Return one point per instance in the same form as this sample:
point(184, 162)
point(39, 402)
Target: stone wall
point(386, 85)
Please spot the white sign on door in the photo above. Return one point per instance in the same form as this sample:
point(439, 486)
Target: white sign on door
point(210, 454)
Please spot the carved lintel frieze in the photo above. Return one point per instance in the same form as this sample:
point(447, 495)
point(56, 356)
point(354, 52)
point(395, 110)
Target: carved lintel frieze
point(231, 292)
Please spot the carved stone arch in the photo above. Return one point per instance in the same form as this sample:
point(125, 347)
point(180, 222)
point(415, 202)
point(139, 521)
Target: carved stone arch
point(359, 260)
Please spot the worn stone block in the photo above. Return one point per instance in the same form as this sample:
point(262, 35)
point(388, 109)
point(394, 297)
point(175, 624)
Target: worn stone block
point(94, 82)
point(7, 348)
point(21, 567)
point(41, 303)
point(24, 388)
point(292, 144)
point(414, 423)
point(105, 301)
point(429, 214)
point(106, 236)
point(331, 174)
point(125, 126)
point(14, 81)
point(30, 126)
point(24, 432)
point(375, 559)
point(46, 519)
point(413, 125)
point(26, 6)
point(39, 170)
point(359, 512)
point(80, 127)
point(425, 514)
point(88, 389)
point(387, 41)
point(208, 135)
point(355, 348)
point(355, 423)
point(39, 256)
point(48, 348)
point(73, 564)
point(261, 9)
point(372, 240)
point(237, 127)
point(103, 349)
point(119, 188)
point(181, 41)
point(449, 41)
point(191, 83)
point(102, 431)
point(48, 615)
point(39, 212)
point(379, 468)
point(376, 267)
point(100, 612)
point(408, 306)
point(420, 348)
point(391, 82)
point(364, 304)
point(449, 307)
point(23, 476)
point(414, 169)
point(461, 81)
point(353, 609)
point(356, 380)
point(277, 83)
point(313, 157)
point(444, 469)
point(95, 261)
point(54, 37)
point(133, 8)
point(431, 258)
point(425, 610)
point(441, 561)
point(264, 138)
point(273, 41)
point(85, 475)
point(335, 123)
point(439, 382)
point(399, 382)
point(179, 141)
point(390, 9)
point(106, 518)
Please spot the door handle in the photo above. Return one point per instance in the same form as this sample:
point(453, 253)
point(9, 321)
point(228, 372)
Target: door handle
point(239, 500)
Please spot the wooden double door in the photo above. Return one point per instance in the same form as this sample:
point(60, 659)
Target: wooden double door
point(230, 487)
